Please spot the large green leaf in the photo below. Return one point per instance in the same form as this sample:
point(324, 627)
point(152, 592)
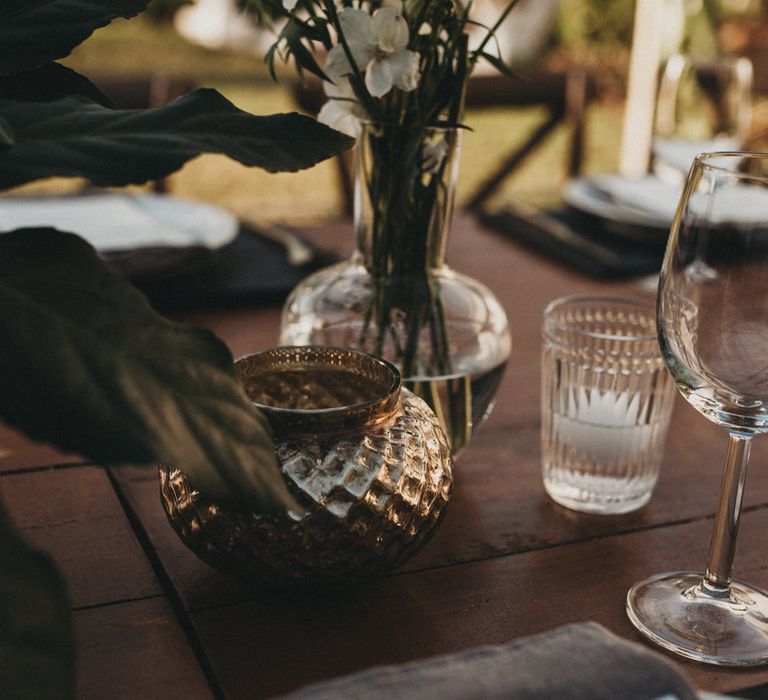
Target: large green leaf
point(49, 82)
point(34, 32)
point(76, 137)
point(86, 364)
point(37, 647)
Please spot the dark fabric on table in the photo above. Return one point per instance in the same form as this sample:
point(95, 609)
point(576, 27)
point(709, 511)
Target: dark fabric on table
point(253, 268)
point(574, 662)
point(582, 242)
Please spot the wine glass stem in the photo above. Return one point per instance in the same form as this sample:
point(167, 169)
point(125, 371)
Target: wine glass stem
point(717, 580)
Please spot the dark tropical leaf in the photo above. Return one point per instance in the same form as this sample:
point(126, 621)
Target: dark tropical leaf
point(87, 365)
point(49, 82)
point(317, 30)
point(35, 32)
point(490, 34)
point(498, 63)
point(305, 60)
point(292, 35)
point(76, 137)
point(37, 646)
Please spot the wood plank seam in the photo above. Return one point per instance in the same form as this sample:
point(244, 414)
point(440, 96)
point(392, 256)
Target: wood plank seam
point(592, 538)
point(121, 601)
point(170, 590)
point(501, 555)
point(45, 468)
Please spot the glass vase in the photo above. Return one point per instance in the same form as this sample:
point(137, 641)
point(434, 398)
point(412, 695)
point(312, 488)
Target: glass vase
point(396, 297)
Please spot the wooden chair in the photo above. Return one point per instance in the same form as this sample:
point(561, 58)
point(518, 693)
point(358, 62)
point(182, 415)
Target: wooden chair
point(565, 93)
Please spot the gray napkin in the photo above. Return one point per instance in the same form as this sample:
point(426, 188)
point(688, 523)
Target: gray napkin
point(574, 662)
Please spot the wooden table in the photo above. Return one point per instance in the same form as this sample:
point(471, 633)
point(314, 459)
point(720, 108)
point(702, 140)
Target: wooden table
point(154, 622)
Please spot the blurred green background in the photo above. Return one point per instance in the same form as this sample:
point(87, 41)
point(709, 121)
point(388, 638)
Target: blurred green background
point(595, 33)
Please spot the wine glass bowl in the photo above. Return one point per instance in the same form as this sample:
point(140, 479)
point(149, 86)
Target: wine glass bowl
point(712, 313)
point(713, 296)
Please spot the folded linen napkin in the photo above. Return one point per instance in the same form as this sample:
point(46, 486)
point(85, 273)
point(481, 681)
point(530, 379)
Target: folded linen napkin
point(574, 662)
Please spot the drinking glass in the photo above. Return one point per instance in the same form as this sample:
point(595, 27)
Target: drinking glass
point(712, 312)
point(606, 403)
point(703, 104)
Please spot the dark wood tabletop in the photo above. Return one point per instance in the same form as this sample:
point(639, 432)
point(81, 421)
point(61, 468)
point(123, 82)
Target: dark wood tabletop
point(152, 621)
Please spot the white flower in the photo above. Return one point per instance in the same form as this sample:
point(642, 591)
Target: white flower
point(342, 111)
point(377, 44)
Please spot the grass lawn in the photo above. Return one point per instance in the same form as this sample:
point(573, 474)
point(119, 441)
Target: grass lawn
point(303, 198)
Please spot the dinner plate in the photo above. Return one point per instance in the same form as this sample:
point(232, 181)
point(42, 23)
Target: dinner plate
point(135, 233)
point(640, 210)
point(650, 203)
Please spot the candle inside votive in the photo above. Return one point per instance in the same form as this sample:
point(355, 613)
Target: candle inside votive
point(602, 426)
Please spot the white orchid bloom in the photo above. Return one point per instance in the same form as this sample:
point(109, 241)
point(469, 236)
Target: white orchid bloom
point(342, 111)
point(377, 44)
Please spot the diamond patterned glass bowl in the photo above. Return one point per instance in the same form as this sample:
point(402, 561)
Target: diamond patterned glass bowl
point(365, 457)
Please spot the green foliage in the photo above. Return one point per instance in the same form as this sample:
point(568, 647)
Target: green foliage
point(34, 33)
point(601, 23)
point(88, 365)
point(590, 22)
point(85, 363)
point(76, 137)
point(437, 33)
point(51, 81)
point(118, 391)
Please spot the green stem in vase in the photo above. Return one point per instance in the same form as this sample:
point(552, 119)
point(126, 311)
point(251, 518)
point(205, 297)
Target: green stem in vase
point(406, 194)
point(407, 90)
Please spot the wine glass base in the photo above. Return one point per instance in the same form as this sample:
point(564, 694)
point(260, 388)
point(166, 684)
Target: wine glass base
point(678, 612)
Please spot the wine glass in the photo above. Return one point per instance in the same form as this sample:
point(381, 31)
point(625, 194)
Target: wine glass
point(712, 314)
point(703, 104)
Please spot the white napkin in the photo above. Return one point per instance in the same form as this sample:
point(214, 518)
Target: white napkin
point(120, 222)
point(574, 662)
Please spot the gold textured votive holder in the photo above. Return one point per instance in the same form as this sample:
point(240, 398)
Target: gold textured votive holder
point(365, 457)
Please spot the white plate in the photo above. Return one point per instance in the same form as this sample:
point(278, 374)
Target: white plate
point(650, 203)
point(119, 223)
point(619, 201)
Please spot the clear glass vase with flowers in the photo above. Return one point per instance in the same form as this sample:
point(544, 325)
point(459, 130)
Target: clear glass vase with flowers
point(395, 74)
